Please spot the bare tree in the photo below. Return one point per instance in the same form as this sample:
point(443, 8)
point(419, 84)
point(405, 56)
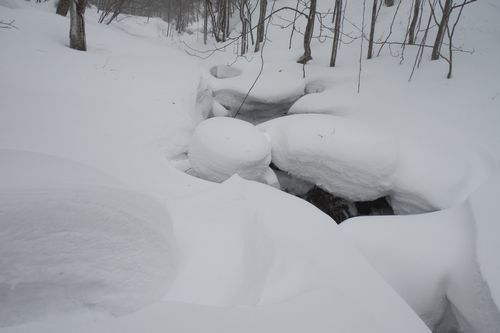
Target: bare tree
point(244, 32)
point(337, 14)
point(260, 25)
point(308, 34)
point(416, 14)
point(77, 38)
point(372, 29)
point(436, 50)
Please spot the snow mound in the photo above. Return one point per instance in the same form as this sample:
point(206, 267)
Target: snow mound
point(69, 244)
point(460, 278)
point(253, 252)
point(342, 156)
point(484, 205)
point(221, 147)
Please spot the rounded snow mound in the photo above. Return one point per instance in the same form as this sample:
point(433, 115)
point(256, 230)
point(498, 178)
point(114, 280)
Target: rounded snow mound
point(342, 156)
point(73, 243)
point(222, 147)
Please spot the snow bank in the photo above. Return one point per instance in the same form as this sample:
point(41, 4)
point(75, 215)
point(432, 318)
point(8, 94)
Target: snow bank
point(70, 242)
point(221, 147)
point(248, 250)
point(484, 205)
point(434, 258)
point(340, 155)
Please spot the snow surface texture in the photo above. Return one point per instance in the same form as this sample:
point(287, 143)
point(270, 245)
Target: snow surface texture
point(66, 244)
point(434, 258)
point(221, 147)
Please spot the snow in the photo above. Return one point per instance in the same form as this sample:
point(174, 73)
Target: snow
point(434, 258)
point(255, 262)
point(277, 88)
point(221, 147)
point(484, 206)
point(342, 156)
point(90, 143)
point(69, 243)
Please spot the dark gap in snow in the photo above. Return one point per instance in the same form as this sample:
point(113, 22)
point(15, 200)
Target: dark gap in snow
point(341, 209)
point(336, 207)
point(253, 110)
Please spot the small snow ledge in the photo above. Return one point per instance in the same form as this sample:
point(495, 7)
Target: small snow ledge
point(221, 147)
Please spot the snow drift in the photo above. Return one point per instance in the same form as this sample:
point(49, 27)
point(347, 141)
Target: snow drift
point(440, 262)
point(72, 242)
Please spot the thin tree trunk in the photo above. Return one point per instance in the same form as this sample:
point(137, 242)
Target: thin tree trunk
point(260, 25)
point(336, 31)
point(77, 29)
point(63, 7)
point(372, 29)
point(416, 14)
point(205, 23)
point(308, 33)
point(436, 50)
point(244, 41)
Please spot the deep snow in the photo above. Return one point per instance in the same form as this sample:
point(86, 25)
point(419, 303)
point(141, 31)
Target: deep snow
point(128, 108)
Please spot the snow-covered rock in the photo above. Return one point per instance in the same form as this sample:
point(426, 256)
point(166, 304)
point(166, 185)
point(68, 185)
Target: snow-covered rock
point(341, 156)
point(222, 147)
point(70, 242)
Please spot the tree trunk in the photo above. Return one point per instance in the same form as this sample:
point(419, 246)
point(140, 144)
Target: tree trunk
point(416, 14)
point(260, 25)
point(63, 7)
point(436, 50)
point(372, 29)
point(205, 22)
point(77, 29)
point(308, 33)
point(244, 40)
point(336, 31)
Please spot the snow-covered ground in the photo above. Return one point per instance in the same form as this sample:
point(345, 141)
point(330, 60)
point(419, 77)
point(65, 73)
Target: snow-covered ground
point(97, 220)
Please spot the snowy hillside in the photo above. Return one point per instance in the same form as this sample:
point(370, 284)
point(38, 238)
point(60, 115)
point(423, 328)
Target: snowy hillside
point(124, 209)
